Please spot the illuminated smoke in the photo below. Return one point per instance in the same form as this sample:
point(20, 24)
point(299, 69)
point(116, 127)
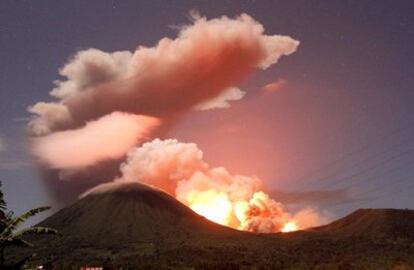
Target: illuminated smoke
point(233, 200)
point(109, 137)
point(274, 86)
point(110, 102)
point(222, 100)
point(199, 69)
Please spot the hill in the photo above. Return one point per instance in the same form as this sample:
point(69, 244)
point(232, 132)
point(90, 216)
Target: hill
point(375, 223)
point(132, 226)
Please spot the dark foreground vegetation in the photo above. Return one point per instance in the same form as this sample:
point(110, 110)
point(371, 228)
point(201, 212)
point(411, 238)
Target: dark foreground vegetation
point(135, 227)
point(11, 236)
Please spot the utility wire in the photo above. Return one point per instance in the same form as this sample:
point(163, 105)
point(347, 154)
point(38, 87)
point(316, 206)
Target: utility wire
point(353, 153)
point(371, 199)
point(370, 168)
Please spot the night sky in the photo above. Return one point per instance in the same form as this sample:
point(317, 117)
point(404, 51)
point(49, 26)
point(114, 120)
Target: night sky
point(341, 115)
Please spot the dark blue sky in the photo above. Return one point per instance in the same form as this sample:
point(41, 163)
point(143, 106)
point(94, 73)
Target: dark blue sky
point(344, 119)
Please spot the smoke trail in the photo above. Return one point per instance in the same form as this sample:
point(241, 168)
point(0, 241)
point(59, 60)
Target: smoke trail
point(237, 201)
point(109, 137)
point(200, 69)
point(196, 69)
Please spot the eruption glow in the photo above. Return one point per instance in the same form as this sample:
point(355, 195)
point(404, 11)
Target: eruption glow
point(290, 227)
point(212, 205)
point(197, 70)
point(111, 102)
point(236, 201)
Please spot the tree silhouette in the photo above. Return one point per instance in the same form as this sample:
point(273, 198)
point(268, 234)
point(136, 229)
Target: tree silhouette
point(3, 207)
point(10, 235)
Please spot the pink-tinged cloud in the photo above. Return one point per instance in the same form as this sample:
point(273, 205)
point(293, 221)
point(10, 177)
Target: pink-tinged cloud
point(203, 62)
point(274, 86)
point(193, 71)
point(236, 201)
point(109, 137)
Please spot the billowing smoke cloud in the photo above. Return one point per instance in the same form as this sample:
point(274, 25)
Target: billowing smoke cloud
point(196, 70)
point(109, 137)
point(110, 102)
point(50, 116)
point(234, 200)
point(222, 100)
point(90, 68)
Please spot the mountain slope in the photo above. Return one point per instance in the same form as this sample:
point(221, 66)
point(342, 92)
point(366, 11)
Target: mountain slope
point(136, 227)
point(125, 212)
point(374, 223)
point(128, 219)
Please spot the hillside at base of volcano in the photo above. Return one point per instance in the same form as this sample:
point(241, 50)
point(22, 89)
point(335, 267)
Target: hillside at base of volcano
point(132, 226)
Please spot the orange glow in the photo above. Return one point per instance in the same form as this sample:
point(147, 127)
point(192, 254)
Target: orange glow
point(213, 205)
point(290, 227)
point(236, 201)
point(218, 207)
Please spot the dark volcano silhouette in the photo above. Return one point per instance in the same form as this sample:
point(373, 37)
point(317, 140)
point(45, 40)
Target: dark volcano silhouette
point(376, 223)
point(127, 212)
point(132, 226)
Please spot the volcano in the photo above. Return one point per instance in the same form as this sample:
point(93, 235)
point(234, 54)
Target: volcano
point(132, 226)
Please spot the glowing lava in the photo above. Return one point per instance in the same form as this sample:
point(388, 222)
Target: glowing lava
point(245, 215)
point(290, 227)
point(236, 201)
point(212, 205)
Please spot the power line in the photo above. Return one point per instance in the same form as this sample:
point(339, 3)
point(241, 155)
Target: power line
point(371, 199)
point(370, 168)
point(407, 188)
point(353, 153)
point(387, 172)
point(377, 188)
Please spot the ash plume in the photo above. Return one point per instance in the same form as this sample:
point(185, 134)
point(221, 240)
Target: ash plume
point(143, 94)
point(205, 59)
point(109, 137)
point(237, 201)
